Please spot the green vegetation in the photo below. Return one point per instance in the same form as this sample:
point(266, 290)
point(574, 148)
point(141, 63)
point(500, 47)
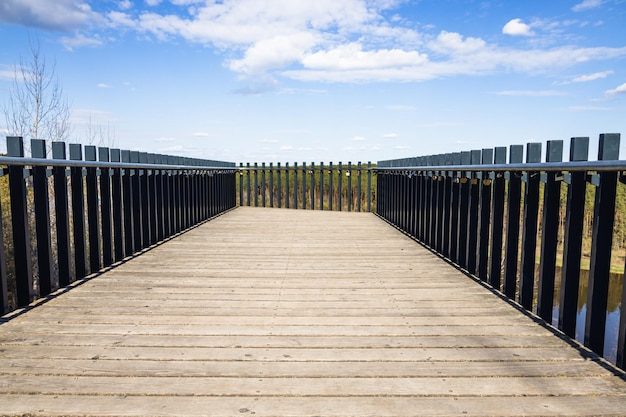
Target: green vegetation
point(306, 181)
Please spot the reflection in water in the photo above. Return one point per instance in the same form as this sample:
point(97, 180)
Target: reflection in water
point(612, 314)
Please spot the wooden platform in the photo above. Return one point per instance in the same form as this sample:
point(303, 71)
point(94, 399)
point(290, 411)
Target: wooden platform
point(267, 312)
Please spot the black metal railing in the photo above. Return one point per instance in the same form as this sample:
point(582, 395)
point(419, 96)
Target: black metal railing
point(467, 206)
point(339, 187)
point(72, 217)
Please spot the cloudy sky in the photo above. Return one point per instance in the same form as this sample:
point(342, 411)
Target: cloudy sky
point(328, 80)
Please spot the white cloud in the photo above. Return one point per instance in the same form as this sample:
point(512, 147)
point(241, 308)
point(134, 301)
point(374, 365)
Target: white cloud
point(588, 77)
point(586, 5)
point(620, 90)
point(7, 72)
point(537, 93)
point(453, 43)
point(80, 40)
point(103, 85)
point(58, 15)
point(125, 4)
point(353, 57)
point(117, 19)
point(358, 138)
point(201, 134)
point(516, 27)
point(390, 135)
point(325, 40)
point(165, 139)
point(274, 52)
point(590, 108)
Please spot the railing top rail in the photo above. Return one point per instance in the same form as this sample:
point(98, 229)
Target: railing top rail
point(317, 167)
point(10, 160)
point(495, 159)
point(101, 157)
point(619, 165)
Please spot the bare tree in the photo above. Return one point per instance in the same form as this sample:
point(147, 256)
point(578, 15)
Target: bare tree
point(36, 105)
point(99, 135)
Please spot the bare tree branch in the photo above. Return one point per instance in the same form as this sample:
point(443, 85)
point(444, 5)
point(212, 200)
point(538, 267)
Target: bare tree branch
point(37, 106)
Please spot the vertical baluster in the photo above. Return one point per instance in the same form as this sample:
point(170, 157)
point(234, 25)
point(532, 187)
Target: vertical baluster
point(196, 193)
point(146, 200)
point(474, 206)
point(271, 172)
point(431, 204)
point(446, 201)
point(350, 193)
point(256, 184)
point(464, 204)
point(369, 186)
point(42, 219)
point(549, 232)
point(279, 185)
point(603, 220)
point(419, 195)
point(152, 198)
point(78, 212)
point(118, 208)
point(137, 203)
point(287, 182)
point(573, 238)
point(340, 187)
point(621, 336)
point(175, 192)
point(412, 205)
point(381, 179)
point(529, 228)
point(312, 188)
point(127, 196)
point(485, 216)
point(296, 190)
point(358, 186)
point(241, 184)
point(321, 185)
point(248, 173)
point(162, 206)
point(62, 215)
point(514, 198)
point(402, 209)
point(19, 216)
point(330, 186)
point(93, 221)
point(454, 209)
point(4, 289)
point(440, 198)
point(497, 224)
point(263, 184)
point(304, 185)
point(105, 208)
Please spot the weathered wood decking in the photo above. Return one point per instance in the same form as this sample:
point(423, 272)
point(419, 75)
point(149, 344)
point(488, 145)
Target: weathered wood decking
point(271, 312)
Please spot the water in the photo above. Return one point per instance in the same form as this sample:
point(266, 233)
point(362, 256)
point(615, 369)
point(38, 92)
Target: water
point(612, 315)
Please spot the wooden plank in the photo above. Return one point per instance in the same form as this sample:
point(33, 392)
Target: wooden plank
point(291, 312)
point(124, 405)
point(308, 387)
point(312, 369)
point(317, 341)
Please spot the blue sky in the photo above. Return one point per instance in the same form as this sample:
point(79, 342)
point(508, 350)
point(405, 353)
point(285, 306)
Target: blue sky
point(328, 80)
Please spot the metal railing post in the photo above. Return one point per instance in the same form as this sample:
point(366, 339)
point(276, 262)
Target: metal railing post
point(549, 232)
point(603, 221)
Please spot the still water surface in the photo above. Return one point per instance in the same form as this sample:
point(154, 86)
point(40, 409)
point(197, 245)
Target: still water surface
point(612, 314)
